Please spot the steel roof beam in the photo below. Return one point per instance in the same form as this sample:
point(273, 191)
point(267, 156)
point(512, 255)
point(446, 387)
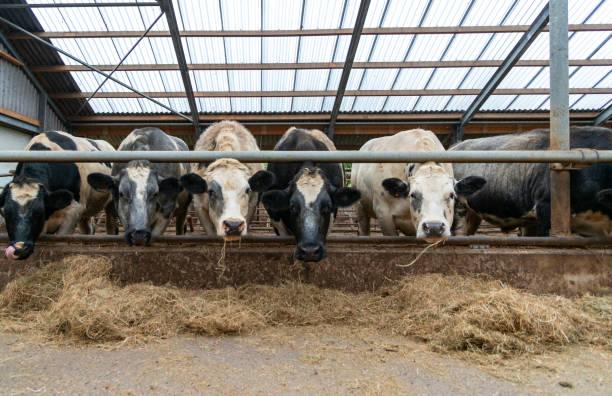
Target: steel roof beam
point(604, 116)
point(591, 27)
point(348, 64)
point(168, 9)
point(33, 79)
point(515, 54)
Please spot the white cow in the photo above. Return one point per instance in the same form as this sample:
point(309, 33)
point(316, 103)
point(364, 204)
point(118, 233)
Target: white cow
point(414, 198)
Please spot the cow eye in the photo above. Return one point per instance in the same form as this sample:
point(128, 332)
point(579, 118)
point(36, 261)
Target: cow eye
point(123, 195)
point(248, 190)
point(452, 196)
point(412, 195)
point(211, 194)
point(294, 209)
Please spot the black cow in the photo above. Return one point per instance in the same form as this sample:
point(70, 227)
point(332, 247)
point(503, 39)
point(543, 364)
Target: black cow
point(306, 195)
point(518, 195)
point(51, 197)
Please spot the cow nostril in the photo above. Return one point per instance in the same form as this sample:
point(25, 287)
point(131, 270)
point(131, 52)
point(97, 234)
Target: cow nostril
point(140, 237)
point(233, 227)
point(434, 228)
point(309, 253)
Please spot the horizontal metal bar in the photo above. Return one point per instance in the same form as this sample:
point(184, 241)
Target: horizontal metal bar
point(546, 156)
point(382, 240)
point(362, 92)
point(77, 5)
point(314, 65)
point(314, 32)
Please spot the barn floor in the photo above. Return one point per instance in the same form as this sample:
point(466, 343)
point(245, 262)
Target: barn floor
point(287, 361)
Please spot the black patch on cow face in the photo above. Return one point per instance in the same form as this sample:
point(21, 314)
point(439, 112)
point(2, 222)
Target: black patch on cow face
point(25, 220)
point(416, 201)
point(215, 198)
point(101, 182)
point(38, 147)
point(194, 183)
point(61, 140)
point(261, 181)
point(396, 187)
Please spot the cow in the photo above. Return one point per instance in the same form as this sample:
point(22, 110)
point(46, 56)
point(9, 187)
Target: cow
point(306, 195)
point(51, 198)
point(146, 195)
point(414, 198)
point(518, 195)
point(226, 191)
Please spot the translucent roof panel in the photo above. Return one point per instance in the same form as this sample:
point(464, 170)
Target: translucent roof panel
point(275, 15)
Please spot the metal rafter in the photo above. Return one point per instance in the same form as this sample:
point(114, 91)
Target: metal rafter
point(166, 6)
point(32, 78)
point(515, 54)
point(93, 68)
point(75, 5)
point(348, 64)
point(604, 116)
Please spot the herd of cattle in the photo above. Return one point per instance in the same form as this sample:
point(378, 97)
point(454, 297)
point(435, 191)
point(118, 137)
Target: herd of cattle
point(429, 200)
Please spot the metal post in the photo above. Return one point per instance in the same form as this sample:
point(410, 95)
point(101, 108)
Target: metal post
point(559, 117)
point(348, 65)
point(519, 49)
point(93, 68)
point(182, 62)
point(119, 64)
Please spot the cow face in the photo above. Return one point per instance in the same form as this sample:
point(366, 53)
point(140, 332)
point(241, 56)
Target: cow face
point(144, 201)
point(227, 193)
point(305, 209)
point(431, 193)
point(26, 206)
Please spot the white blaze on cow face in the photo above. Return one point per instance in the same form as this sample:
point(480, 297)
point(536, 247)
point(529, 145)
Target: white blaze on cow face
point(23, 193)
point(432, 201)
point(228, 198)
point(310, 185)
point(136, 199)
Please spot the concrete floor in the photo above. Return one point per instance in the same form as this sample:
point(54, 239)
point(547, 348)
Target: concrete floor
point(289, 361)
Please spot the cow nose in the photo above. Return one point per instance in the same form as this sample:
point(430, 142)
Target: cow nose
point(433, 228)
point(233, 227)
point(20, 250)
point(139, 237)
point(310, 252)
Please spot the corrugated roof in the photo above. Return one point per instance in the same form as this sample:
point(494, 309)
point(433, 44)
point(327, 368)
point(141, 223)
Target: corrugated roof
point(224, 15)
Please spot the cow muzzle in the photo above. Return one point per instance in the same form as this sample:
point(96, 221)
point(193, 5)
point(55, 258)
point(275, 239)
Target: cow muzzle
point(233, 227)
point(19, 250)
point(310, 252)
point(138, 237)
point(433, 231)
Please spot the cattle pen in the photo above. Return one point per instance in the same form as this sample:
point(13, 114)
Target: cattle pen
point(358, 70)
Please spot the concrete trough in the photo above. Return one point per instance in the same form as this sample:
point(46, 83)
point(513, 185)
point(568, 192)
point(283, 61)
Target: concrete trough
point(349, 266)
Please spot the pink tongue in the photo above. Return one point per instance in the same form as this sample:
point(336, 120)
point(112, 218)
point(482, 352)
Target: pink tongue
point(9, 252)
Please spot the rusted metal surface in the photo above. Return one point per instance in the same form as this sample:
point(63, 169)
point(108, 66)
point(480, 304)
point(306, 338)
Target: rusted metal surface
point(349, 266)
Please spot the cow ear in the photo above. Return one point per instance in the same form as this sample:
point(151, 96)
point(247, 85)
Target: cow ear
point(346, 196)
point(275, 201)
point(101, 182)
point(396, 187)
point(57, 200)
point(170, 187)
point(194, 183)
point(261, 181)
point(604, 197)
point(469, 185)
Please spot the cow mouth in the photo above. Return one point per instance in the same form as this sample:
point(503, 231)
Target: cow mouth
point(18, 251)
point(232, 238)
point(435, 239)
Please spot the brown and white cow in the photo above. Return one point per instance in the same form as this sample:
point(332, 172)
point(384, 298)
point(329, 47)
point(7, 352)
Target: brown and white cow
point(226, 192)
point(52, 197)
point(415, 198)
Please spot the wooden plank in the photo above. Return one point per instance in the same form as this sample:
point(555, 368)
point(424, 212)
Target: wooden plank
point(19, 116)
point(11, 59)
point(314, 32)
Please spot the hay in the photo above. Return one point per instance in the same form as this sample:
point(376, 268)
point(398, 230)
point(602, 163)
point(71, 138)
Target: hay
point(76, 300)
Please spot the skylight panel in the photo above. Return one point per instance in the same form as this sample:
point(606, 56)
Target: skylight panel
point(400, 103)
point(347, 103)
point(375, 13)
point(279, 49)
point(323, 14)
point(243, 49)
point(525, 12)
point(369, 103)
point(446, 13)
point(431, 103)
point(401, 13)
point(142, 54)
point(413, 78)
point(519, 77)
point(583, 45)
point(363, 50)
point(205, 49)
point(198, 15)
point(311, 104)
point(478, 77)
point(244, 105)
point(180, 104)
point(244, 80)
point(210, 80)
point(276, 105)
point(429, 47)
point(500, 46)
point(213, 105)
point(390, 48)
point(150, 107)
point(277, 80)
point(378, 79)
point(527, 102)
point(241, 14)
point(316, 49)
point(122, 18)
point(497, 102)
point(447, 78)
point(487, 12)
point(467, 46)
point(282, 14)
point(579, 10)
point(311, 80)
point(460, 102)
point(592, 102)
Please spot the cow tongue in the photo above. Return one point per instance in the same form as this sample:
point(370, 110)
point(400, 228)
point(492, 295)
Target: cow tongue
point(9, 252)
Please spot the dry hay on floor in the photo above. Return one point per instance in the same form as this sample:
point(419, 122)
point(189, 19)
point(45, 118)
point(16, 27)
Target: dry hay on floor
point(75, 299)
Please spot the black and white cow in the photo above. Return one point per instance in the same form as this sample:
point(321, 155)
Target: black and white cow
point(416, 199)
point(306, 195)
point(518, 195)
point(51, 197)
point(146, 195)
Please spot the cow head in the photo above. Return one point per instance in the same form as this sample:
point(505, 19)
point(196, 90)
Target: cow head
point(431, 192)
point(305, 209)
point(143, 199)
point(26, 206)
point(227, 190)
